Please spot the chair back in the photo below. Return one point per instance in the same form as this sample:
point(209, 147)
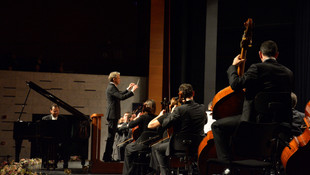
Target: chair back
point(273, 107)
point(255, 140)
point(184, 143)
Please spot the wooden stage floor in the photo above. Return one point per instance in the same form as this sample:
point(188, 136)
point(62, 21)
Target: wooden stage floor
point(74, 166)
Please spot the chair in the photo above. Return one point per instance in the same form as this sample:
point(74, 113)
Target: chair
point(255, 145)
point(141, 160)
point(273, 107)
point(183, 154)
point(276, 107)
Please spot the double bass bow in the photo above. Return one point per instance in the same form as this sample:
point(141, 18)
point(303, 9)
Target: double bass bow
point(226, 102)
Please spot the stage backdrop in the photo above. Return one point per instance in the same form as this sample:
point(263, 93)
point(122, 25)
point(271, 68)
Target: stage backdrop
point(83, 91)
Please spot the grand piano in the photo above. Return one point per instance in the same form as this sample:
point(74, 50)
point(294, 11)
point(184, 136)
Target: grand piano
point(74, 132)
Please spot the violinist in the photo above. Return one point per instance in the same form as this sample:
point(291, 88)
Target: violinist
point(141, 121)
point(128, 137)
point(187, 122)
point(156, 123)
point(268, 76)
point(121, 135)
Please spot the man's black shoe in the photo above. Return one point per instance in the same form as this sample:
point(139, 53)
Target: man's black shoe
point(107, 160)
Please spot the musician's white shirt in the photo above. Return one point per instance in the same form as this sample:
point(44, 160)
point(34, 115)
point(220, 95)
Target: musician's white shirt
point(207, 126)
point(53, 118)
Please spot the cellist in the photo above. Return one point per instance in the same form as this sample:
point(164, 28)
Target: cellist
point(267, 76)
point(142, 121)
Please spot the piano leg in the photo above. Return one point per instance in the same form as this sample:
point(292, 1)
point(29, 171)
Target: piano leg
point(18, 146)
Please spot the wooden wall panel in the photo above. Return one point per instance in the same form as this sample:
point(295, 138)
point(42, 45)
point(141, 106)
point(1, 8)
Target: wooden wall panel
point(156, 52)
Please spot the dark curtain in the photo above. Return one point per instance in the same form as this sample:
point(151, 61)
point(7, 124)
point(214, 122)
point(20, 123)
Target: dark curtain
point(188, 45)
point(302, 53)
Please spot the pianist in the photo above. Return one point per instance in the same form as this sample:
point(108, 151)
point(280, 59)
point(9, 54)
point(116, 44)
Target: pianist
point(54, 110)
point(61, 146)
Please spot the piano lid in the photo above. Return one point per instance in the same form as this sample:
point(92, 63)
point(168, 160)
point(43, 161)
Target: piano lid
point(58, 101)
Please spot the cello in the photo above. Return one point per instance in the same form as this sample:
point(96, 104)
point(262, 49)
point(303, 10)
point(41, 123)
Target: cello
point(294, 155)
point(226, 102)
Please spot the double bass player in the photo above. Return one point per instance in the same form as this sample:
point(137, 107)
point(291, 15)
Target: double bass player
point(267, 76)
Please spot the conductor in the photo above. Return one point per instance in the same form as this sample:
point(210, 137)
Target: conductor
point(114, 96)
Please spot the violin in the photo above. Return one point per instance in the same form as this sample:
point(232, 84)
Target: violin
point(135, 132)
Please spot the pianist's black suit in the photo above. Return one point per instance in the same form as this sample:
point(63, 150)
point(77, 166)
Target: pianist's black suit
point(62, 146)
point(49, 117)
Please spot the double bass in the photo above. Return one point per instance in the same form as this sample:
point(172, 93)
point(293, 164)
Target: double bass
point(294, 156)
point(226, 102)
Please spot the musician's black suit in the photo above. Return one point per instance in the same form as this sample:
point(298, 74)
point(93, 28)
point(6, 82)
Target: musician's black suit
point(187, 121)
point(268, 76)
point(140, 144)
point(114, 96)
point(62, 146)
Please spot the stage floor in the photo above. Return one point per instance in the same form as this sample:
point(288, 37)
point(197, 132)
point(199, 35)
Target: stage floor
point(74, 166)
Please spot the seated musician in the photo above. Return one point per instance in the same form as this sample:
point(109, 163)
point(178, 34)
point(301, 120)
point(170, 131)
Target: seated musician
point(121, 135)
point(207, 126)
point(298, 123)
point(156, 123)
point(187, 122)
point(62, 146)
point(141, 121)
point(268, 76)
point(128, 137)
point(54, 110)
